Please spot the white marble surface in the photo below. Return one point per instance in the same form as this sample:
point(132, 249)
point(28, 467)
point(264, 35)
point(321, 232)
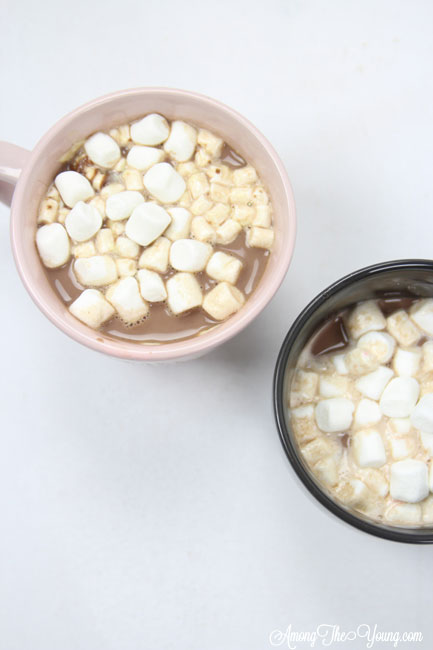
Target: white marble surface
point(148, 507)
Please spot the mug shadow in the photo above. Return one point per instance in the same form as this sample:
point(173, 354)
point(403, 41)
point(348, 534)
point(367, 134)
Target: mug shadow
point(6, 193)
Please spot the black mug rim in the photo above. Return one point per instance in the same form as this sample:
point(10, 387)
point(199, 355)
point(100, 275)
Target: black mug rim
point(394, 534)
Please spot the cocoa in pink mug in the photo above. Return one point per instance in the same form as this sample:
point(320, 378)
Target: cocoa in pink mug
point(32, 172)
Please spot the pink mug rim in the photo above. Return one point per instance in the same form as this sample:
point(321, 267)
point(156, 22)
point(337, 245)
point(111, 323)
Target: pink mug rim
point(195, 345)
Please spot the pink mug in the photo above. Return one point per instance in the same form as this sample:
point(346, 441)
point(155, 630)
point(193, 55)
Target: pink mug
point(28, 174)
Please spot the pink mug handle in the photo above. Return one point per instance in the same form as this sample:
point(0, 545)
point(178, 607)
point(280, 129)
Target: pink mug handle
point(12, 161)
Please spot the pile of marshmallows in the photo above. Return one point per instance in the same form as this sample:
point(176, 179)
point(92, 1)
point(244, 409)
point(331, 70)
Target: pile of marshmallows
point(363, 389)
point(103, 254)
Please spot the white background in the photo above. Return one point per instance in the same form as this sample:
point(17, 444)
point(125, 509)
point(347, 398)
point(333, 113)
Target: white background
point(146, 507)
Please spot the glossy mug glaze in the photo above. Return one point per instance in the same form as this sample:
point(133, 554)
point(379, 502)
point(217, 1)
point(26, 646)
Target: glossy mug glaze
point(32, 172)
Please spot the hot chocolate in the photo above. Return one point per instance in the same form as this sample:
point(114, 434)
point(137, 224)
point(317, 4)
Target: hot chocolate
point(155, 231)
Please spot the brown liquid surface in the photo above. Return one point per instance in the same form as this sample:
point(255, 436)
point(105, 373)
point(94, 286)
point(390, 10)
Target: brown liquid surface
point(331, 337)
point(332, 334)
point(392, 302)
point(231, 157)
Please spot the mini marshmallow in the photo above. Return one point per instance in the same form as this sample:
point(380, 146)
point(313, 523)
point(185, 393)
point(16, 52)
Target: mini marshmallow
point(83, 221)
point(245, 215)
point(189, 255)
point(401, 447)
point(99, 180)
point(406, 362)
point(241, 195)
point(244, 176)
point(303, 423)
point(263, 216)
point(200, 206)
point(422, 414)
point(86, 249)
point(202, 230)
point(367, 413)
point(104, 241)
point(202, 158)
point(110, 189)
point(185, 200)
point(143, 158)
point(422, 315)
point(409, 480)
point(198, 184)
point(181, 142)
point(224, 268)
point(318, 449)
point(164, 183)
point(366, 317)
point(91, 308)
point(373, 384)
point(186, 169)
point(147, 222)
point(116, 227)
point(121, 134)
point(151, 286)
point(353, 492)
point(102, 150)
point(334, 414)
point(380, 345)
point(180, 226)
point(260, 196)
point(427, 356)
point(426, 386)
point(125, 247)
point(228, 231)
point(133, 179)
point(98, 203)
point(399, 397)
point(339, 361)
point(368, 448)
point(260, 237)
point(126, 267)
point(152, 129)
point(63, 213)
point(330, 386)
point(221, 174)
point(220, 193)
point(304, 387)
point(96, 271)
point(126, 299)
point(211, 143)
point(360, 360)
point(155, 257)
point(405, 513)
point(183, 293)
point(53, 245)
point(222, 301)
point(120, 206)
point(427, 442)
point(403, 329)
point(48, 211)
point(73, 187)
point(326, 471)
point(218, 214)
